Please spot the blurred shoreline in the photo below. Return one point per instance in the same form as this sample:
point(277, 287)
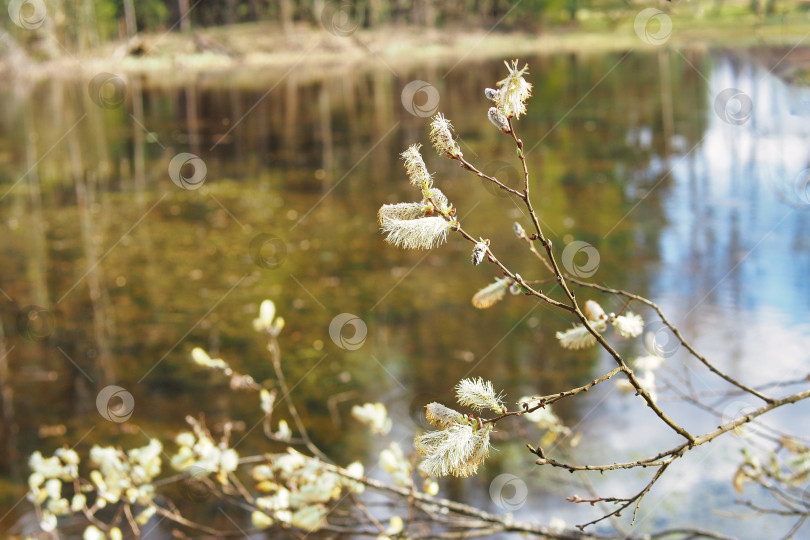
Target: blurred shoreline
point(254, 54)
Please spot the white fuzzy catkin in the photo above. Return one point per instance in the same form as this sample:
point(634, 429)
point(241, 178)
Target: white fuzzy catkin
point(593, 311)
point(457, 451)
point(421, 233)
point(478, 252)
point(415, 168)
point(513, 91)
point(442, 417)
point(491, 294)
point(401, 211)
point(629, 326)
point(478, 394)
point(576, 338)
point(650, 362)
point(439, 200)
point(442, 137)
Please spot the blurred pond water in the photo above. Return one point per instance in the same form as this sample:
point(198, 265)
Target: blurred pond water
point(111, 273)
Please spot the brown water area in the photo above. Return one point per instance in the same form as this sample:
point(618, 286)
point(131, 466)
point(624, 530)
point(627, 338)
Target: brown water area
point(112, 270)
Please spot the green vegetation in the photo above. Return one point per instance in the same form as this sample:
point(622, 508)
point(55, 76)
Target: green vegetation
point(224, 31)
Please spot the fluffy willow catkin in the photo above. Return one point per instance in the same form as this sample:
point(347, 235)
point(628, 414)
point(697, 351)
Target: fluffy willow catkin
point(629, 325)
point(415, 168)
point(594, 312)
point(400, 211)
point(439, 200)
point(478, 394)
point(442, 417)
point(441, 137)
point(491, 294)
point(478, 252)
point(421, 233)
point(580, 337)
point(513, 91)
point(576, 338)
point(457, 450)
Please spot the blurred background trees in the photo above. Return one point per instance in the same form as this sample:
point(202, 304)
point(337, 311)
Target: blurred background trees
point(78, 25)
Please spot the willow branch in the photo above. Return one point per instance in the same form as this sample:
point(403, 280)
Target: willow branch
point(177, 518)
point(275, 354)
point(677, 451)
point(464, 164)
point(553, 398)
point(677, 334)
point(637, 498)
point(461, 509)
point(691, 533)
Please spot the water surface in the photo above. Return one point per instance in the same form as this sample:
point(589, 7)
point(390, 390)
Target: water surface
point(701, 210)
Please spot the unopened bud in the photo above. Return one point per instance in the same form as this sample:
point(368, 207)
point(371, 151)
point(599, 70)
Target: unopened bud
point(498, 120)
